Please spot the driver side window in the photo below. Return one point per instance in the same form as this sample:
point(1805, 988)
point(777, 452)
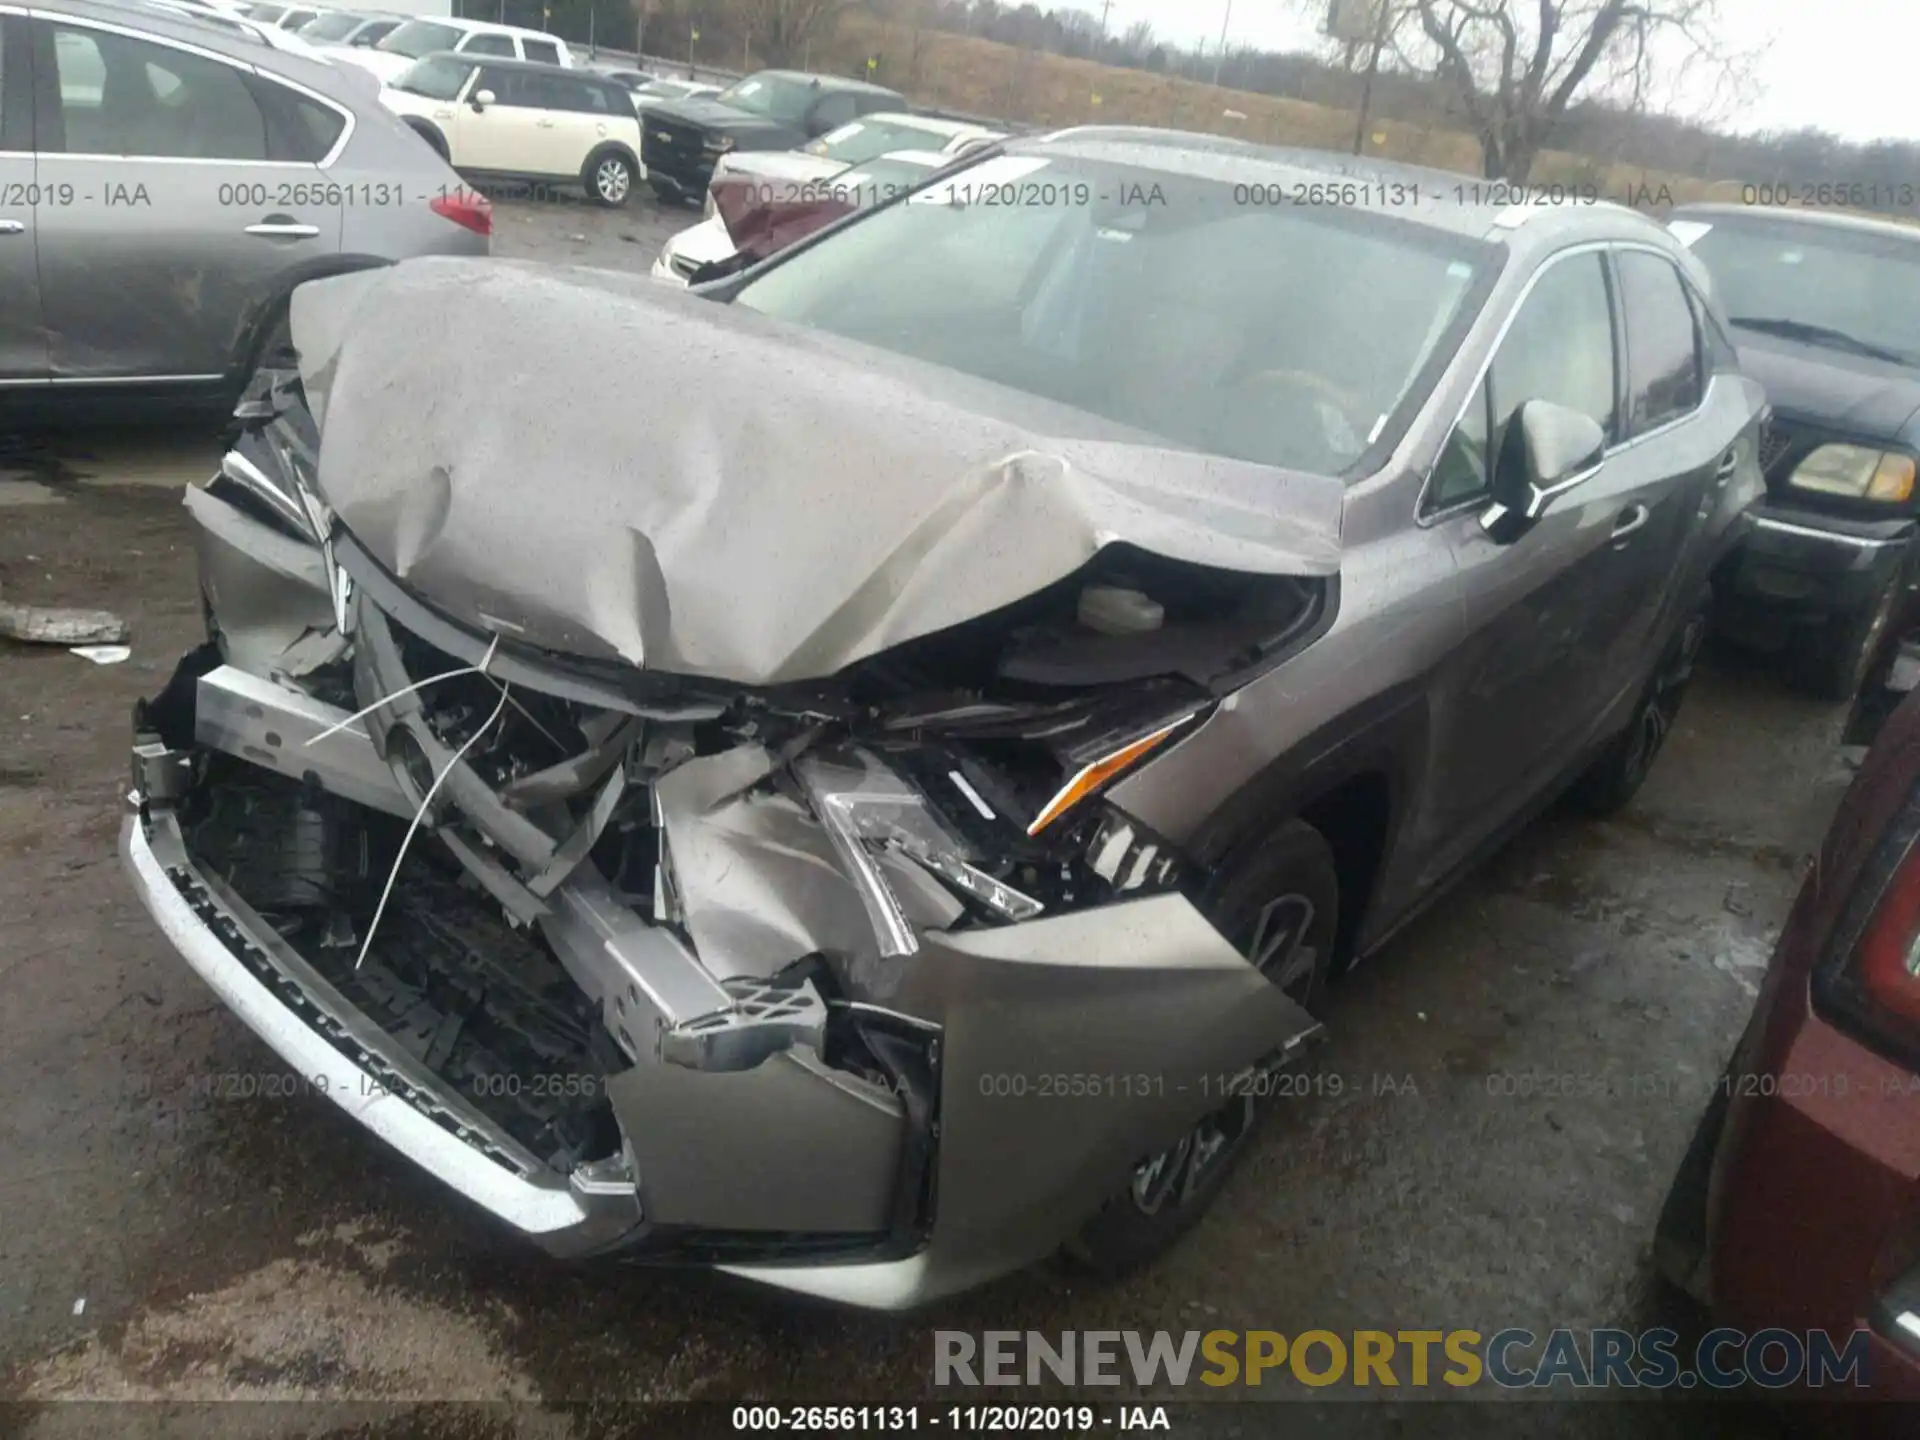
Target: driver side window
point(1560, 347)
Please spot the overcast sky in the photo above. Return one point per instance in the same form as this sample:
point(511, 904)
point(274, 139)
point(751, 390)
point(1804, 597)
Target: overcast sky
point(1841, 65)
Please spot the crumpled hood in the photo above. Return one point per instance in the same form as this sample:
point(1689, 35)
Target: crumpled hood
point(601, 465)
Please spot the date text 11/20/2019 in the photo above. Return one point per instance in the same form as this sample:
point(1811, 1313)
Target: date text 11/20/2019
point(1392, 194)
point(956, 1419)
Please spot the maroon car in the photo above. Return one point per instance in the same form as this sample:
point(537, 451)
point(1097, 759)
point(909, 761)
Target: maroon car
point(764, 217)
point(1798, 1203)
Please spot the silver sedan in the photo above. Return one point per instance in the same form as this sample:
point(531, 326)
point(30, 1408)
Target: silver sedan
point(181, 182)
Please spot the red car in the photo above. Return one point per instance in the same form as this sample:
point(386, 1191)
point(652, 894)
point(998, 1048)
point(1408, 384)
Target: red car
point(1798, 1203)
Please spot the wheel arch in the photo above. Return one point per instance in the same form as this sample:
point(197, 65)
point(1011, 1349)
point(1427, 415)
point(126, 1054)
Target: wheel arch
point(1354, 783)
point(429, 132)
point(620, 148)
point(258, 323)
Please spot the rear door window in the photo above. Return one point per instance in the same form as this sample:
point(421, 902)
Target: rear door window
point(1663, 344)
point(298, 128)
point(545, 51)
point(121, 96)
point(500, 45)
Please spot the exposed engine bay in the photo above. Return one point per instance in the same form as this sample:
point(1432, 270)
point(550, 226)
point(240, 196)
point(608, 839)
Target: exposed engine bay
point(699, 959)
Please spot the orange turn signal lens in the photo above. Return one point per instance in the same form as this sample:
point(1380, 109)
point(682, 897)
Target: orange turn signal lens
point(1091, 777)
point(1893, 479)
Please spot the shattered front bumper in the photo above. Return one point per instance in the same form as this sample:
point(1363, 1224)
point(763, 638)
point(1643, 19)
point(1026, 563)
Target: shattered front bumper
point(339, 1053)
point(1023, 1070)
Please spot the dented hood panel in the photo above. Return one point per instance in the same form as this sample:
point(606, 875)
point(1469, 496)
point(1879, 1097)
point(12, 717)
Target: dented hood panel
point(597, 464)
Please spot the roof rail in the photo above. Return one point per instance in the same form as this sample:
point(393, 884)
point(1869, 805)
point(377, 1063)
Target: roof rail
point(1515, 216)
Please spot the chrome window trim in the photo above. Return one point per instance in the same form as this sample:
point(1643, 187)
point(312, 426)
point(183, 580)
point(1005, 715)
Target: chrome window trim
point(131, 379)
point(61, 17)
point(1425, 518)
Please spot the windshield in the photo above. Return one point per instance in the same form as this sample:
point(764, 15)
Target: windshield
point(437, 79)
point(775, 96)
point(336, 26)
point(1285, 336)
point(420, 37)
point(864, 139)
point(879, 180)
point(1845, 290)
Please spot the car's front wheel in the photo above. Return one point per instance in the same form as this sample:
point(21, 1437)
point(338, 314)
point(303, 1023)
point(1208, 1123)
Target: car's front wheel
point(1279, 905)
point(609, 178)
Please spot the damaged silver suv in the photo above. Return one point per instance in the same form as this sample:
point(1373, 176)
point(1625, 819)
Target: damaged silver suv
point(858, 777)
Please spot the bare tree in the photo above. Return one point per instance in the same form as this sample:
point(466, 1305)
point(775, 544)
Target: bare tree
point(1514, 66)
point(780, 30)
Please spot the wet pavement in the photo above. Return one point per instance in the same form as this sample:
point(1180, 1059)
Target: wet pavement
point(161, 1241)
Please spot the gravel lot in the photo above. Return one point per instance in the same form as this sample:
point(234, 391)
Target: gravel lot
point(161, 1244)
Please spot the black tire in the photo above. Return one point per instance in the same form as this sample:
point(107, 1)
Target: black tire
point(1622, 768)
point(608, 177)
point(1834, 664)
point(435, 140)
point(1281, 898)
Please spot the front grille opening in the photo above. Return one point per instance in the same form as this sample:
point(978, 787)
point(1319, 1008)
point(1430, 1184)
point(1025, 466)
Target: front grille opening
point(485, 1007)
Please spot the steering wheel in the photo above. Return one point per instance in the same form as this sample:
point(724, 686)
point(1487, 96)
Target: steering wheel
point(1269, 402)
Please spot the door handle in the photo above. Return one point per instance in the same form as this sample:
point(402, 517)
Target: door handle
point(284, 230)
point(1729, 463)
point(544, 124)
point(13, 227)
point(1631, 519)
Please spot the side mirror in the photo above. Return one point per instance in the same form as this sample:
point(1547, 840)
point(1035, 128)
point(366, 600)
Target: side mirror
point(482, 99)
point(1549, 449)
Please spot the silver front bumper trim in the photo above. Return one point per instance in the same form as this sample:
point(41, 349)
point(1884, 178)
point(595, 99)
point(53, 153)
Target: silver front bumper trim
point(1831, 537)
point(549, 1211)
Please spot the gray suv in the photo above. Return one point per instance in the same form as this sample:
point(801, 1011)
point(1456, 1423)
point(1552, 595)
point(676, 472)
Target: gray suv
point(165, 184)
point(860, 776)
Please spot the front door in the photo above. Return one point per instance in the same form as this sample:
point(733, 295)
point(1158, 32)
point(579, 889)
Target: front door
point(504, 138)
point(23, 342)
point(1527, 686)
point(182, 231)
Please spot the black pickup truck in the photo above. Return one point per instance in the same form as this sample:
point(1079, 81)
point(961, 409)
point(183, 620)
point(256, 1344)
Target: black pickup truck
point(771, 110)
point(1826, 315)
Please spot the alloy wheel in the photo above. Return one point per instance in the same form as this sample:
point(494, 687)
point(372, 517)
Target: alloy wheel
point(1661, 709)
point(612, 179)
point(1280, 948)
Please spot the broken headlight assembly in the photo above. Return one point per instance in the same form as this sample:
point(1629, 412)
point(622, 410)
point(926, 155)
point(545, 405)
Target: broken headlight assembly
point(994, 862)
point(271, 465)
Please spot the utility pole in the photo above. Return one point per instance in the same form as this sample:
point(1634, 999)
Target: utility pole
point(1220, 58)
point(1381, 30)
point(1106, 5)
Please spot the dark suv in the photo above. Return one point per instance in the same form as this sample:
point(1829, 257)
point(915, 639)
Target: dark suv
point(1826, 312)
point(876, 795)
point(772, 110)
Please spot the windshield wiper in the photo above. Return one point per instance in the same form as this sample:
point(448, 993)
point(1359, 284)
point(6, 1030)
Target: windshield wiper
point(1822, 335)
